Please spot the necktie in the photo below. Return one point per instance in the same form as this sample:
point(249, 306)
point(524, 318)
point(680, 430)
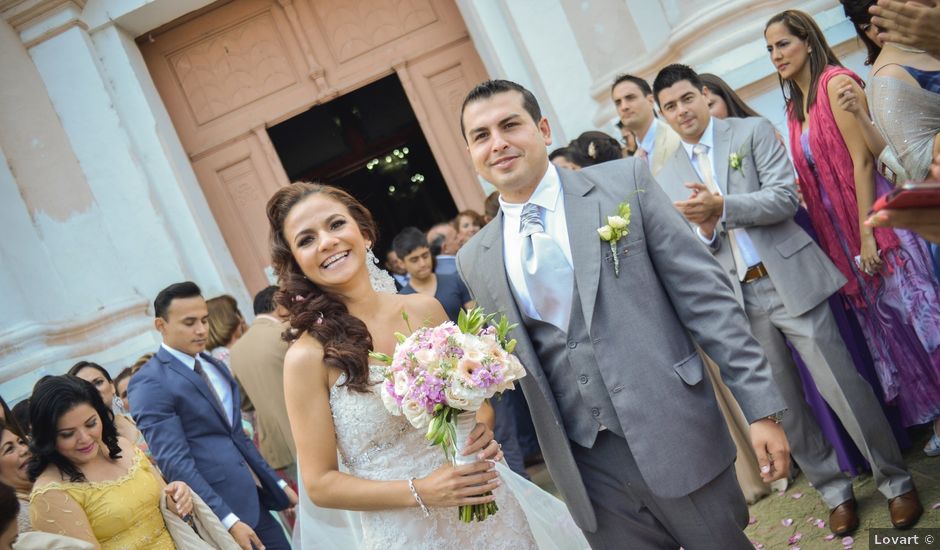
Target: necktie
point(548, 276)
point(705, 167)
point(218, 400)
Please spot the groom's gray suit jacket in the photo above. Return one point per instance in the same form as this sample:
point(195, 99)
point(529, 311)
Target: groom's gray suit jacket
point(639, 327)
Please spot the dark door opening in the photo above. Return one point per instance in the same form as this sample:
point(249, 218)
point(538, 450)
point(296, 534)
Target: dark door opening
point(369, 143)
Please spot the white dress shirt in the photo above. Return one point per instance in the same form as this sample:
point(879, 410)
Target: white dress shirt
point(648, 143)
point(548, 195)
point(745, 245)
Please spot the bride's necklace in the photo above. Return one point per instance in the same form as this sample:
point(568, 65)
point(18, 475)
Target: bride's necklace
point(906, 48)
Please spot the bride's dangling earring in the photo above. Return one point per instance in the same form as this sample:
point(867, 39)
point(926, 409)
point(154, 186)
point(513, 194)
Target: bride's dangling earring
point(380, 279)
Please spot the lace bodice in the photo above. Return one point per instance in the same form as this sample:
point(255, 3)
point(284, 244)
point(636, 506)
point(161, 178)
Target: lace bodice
point(373, 444)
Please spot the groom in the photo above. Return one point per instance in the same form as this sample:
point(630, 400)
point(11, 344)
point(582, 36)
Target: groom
point(626, 419)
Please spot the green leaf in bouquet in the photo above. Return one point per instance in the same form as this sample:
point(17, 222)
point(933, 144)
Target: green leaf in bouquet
point(511, 345)
point(381, 357)
point(404, 315)
point(400, 337)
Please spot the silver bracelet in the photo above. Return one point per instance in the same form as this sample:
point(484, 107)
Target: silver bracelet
point(414, 493)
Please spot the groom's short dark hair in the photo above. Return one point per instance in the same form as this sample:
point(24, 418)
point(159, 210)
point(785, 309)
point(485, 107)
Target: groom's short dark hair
point(490, 88)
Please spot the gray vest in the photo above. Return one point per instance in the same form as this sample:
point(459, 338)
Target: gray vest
point(569, 363)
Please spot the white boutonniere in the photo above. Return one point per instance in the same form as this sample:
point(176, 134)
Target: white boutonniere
point(736, 160)
point(617, 227)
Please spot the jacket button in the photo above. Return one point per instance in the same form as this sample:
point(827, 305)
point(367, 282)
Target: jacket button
point(733, 272)
point(583, 379)
point(723, 233)
point(572, 344)
point(595, 412)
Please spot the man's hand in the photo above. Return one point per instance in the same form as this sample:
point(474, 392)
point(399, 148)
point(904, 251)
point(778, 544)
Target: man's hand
point(908, 23)
point(245, 536)
point(772, 448)
point(481, 439)
point(701, 205)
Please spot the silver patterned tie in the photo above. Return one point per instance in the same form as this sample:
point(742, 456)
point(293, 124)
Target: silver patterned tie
point(548, 276)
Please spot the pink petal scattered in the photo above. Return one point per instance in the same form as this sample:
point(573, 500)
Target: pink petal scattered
point(787, 522)
point(757, 545)
point(752, 520)
point(810, 520)
point(848, 541)
point(795, 538)
point(797, 495)
point(821, 524)
point(794, 548)
point(830, 536)
point(935, 506)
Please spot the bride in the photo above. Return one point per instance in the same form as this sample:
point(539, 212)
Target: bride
point(353, 454)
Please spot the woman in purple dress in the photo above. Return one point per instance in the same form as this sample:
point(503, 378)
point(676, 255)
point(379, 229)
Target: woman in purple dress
point(890, 287)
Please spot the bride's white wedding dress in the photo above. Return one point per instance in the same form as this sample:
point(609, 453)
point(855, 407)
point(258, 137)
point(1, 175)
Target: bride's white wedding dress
point(373, 444)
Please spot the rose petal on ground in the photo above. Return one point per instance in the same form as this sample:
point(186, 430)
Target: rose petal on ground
point(848, 541)
point(787, 522)
point(752, 520)
point(795, 538)
point(797, 495)
point(935, 506)
point(830, 536)
point(821, 524)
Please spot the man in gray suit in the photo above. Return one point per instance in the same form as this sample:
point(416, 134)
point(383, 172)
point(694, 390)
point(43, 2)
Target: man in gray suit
point(626, 419)
point(743, 199)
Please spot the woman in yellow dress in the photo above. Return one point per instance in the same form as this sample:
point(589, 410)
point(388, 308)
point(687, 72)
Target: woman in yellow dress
point(90, 483)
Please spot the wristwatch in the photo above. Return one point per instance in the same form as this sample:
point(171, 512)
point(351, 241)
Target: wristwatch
point(777, 417)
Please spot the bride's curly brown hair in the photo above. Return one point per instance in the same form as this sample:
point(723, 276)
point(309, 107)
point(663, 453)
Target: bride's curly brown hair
point(345, 339)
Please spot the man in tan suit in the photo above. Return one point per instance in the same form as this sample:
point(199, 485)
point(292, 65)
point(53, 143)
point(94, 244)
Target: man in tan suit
point(257, 360)
point(633, 99)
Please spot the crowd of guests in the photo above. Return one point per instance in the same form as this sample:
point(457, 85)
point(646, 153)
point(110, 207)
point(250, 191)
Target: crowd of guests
point(134, 460)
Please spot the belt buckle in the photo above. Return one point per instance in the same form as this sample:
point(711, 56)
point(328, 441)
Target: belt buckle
point(754, 273)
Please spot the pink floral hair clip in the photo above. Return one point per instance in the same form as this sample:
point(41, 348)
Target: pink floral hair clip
point(320, 319)
point(299, 298)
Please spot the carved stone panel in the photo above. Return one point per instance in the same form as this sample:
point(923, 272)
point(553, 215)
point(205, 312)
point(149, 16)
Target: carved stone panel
point(354, 27)
point(238, 181)
point(232, 68)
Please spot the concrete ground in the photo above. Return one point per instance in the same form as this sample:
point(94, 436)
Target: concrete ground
point(790, 520)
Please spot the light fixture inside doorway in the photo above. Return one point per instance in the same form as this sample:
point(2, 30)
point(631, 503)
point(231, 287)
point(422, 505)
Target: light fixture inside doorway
point(394, 161)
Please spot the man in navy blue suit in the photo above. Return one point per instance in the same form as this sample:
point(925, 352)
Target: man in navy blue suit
point(187, 406)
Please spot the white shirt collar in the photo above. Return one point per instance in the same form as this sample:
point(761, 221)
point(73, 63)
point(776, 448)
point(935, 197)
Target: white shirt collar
point(183, 358)
point(707, 139)
point(546, 194)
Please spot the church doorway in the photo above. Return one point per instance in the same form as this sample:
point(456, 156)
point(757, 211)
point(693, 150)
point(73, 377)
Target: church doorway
point(369, 143)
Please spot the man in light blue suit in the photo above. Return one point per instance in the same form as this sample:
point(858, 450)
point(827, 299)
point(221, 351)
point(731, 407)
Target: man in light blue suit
point(187, 405)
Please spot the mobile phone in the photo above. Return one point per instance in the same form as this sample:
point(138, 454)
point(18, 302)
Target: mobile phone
point(913, 194)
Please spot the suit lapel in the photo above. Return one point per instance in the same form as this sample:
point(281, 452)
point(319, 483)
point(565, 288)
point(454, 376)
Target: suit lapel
point(189, 374)
point(722, 142)
point(683, 165)
point(582, 214)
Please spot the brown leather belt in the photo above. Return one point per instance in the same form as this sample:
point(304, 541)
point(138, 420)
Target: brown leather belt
point(755, 272)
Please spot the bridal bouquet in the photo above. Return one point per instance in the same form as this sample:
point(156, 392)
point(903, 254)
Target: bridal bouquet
point(439, 376)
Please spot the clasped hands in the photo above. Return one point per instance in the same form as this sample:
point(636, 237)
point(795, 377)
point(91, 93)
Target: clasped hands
point(703, 208)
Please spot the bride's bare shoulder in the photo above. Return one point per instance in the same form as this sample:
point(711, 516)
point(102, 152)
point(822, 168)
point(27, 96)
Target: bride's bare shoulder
point(422, 309)
point(305, 355)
